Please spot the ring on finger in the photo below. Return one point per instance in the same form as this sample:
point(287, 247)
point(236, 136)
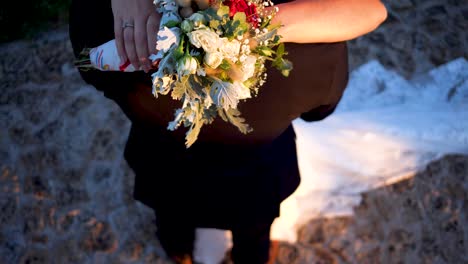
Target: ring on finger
point(127, 25)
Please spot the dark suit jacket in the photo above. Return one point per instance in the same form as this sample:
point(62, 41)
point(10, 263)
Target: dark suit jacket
point(225, 176)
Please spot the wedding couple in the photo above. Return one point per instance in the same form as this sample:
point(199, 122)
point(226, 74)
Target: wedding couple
point(226, 180)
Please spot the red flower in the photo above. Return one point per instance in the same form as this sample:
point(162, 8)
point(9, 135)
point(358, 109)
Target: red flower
point(242, 6)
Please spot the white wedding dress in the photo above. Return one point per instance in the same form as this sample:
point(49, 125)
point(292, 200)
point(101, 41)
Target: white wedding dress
point(384, 129)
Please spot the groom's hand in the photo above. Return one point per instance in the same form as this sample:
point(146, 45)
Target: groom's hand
point(136, 23)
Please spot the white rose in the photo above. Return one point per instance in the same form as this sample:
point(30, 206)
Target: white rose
point(248, 67)
point(187, 65)
point(230, 49)
point(205, 38)
point(213, 59)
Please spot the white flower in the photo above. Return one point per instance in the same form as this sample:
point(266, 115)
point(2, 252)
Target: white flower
point(242, 58)
point(205, 38)
point(167, 37)
point(245, 49)
point(248, 67)
point(187, 65)
point(230, 49)
point(213, 59)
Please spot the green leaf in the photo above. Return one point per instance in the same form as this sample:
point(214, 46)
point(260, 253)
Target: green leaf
point(179, 51)
point(223, 76)
point(209, 114)
point(273, 27)
point(280, 50)
point(276, 40)
point(230, 29)
point(243, 25)
point(225, 65)
point(174, 124)
point(223, 11)
point(214, 24)
point(240, 16)
point(233, 116)
point(197, 85)
point(180, 88)
point(285, 66)
point(267, 36)
point(264, 51)
point(237, 26)
point(171, 23)
point(192, 134)
point(250, 82)
point(222, 114)
point(224, 94)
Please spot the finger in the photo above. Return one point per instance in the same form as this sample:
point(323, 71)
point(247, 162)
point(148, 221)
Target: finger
point(129, 43)
point(152, 28)
point(141, 43)
point(119, 41)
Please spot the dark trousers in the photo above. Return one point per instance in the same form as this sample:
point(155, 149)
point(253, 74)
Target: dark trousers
point(251, 243)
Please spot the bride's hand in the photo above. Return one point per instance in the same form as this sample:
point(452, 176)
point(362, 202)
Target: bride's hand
point(136, 23)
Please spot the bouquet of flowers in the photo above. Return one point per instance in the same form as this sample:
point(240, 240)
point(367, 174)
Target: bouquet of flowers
point(211, 54)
